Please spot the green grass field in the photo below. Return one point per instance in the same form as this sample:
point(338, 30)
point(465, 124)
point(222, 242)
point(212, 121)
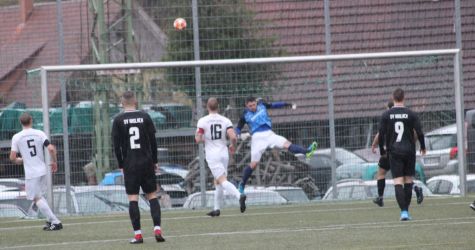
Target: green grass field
point(439, 223)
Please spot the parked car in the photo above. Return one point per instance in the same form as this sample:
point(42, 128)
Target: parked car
point(450, 184)
point(291, 194)
point(11, 210)
point(441, 155)
point(357, 189)
point(389, 188)
point(15, 197)
point(368, 171)
point(170, 179)
point(13, 182)
point(349, 189)
point(94, 199)
point(254, 197)
point(321, 164)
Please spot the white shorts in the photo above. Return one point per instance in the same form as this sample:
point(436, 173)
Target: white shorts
point(263, 140)
point(36, 187)
point(219, 166)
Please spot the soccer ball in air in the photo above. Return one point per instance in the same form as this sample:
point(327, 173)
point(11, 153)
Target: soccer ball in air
point(179, 24)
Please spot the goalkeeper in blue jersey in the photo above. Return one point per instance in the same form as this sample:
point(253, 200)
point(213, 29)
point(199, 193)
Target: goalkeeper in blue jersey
point(260, 126)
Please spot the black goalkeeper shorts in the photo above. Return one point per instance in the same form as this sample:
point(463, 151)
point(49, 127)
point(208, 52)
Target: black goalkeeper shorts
point(402, 165)
point(384, 163)
point(142, 178)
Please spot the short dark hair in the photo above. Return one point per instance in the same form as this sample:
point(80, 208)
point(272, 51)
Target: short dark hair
point(128, 97)
point(26, 119)
point(212, 104)
point(398, 95)
point(250, 99)
point(390, 104)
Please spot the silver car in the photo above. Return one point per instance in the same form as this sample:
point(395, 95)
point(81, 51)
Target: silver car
point(441, 156)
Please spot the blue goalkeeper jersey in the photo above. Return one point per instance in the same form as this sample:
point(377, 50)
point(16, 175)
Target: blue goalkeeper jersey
point(259, 121)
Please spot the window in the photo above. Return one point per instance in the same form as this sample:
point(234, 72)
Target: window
point(436, 142)
point(444, 187)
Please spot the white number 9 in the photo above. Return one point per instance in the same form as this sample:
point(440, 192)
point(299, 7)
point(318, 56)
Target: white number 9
point(399, 128)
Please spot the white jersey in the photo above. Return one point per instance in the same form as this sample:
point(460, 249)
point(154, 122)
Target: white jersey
point(215, 128)
point(30, 144)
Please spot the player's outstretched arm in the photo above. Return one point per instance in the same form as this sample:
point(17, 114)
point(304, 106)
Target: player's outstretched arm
point(382, 134)
point(233, 139)
point(14, 158)
point(375, 143)
point(53, 156)
point(278, 105)
point(199, 135)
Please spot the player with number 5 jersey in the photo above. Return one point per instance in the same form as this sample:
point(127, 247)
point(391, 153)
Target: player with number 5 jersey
point(135, 147)
point(397, 140)
point(30, 143)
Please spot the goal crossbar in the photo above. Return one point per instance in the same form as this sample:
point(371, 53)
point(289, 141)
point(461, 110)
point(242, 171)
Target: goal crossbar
point(289, 59)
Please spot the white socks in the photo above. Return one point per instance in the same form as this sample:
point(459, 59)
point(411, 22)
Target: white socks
point(46, 211)
point(230, 188)
point(218, 197)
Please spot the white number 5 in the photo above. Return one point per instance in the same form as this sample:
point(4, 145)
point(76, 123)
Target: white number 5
point(399, 128)
point(134, 136)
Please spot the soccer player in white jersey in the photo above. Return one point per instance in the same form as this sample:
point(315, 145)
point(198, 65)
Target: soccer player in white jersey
point(30, 143)
point(212, 130)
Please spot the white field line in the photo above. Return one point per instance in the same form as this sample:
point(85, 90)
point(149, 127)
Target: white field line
point(390, 224)
point(126, 219)
point(256, 208)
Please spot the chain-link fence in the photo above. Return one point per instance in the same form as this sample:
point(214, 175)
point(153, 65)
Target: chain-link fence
point(172, 106)
point(128, 31)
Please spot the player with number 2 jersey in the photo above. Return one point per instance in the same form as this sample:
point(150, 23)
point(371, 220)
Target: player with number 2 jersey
point(135, 147)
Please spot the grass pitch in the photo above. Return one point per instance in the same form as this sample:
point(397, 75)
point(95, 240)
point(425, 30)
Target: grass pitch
point(439, 223)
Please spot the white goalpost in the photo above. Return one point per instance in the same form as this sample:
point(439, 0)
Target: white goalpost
point(457, 78)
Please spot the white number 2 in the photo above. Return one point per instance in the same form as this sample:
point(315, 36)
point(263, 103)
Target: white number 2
point(399, 128)
point(134, 136)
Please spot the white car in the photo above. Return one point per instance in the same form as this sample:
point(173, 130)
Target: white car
point(441, 156)
point(11, 210)
point(357, 189)
point(13, 182)
point(94, 200)
point(450, 184)
point(254, 197)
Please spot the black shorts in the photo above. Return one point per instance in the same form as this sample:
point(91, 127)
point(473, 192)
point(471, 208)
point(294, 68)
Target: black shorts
point(143, 178)
point(402, 165)
point(384, 163)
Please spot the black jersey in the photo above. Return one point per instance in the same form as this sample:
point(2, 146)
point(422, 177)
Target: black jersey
point(133, 134)
point(396, 131)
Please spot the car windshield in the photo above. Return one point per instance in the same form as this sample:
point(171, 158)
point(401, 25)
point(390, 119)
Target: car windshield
point(436, 142)
point(293, 195)
point(11, 212)
point(99, 201)
point(344, 156)
point(357, 192)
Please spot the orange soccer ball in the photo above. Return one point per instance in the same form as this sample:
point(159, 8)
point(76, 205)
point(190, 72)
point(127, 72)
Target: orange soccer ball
point(179, 23)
